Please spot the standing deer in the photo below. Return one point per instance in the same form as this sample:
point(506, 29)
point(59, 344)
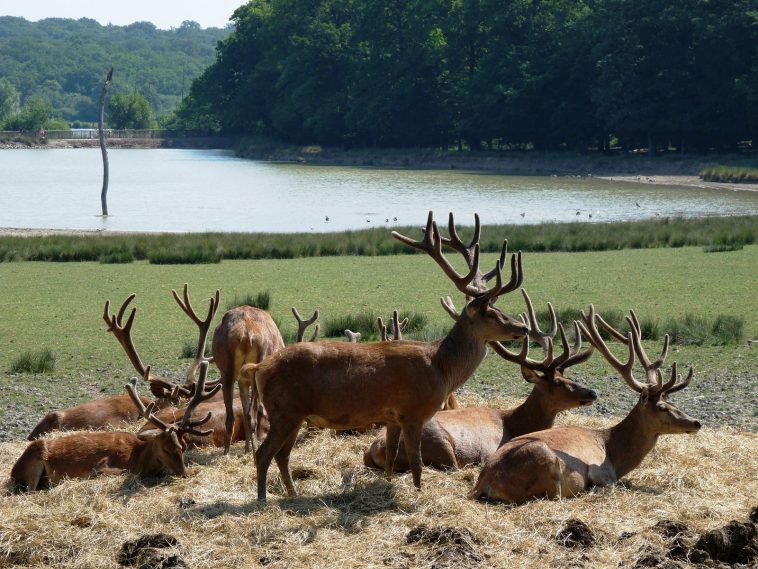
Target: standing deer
point(46, 462)
point(246, 334)
point(218, 408)
point(117, 410)
point(460, 437)
point(564, 461)
point(342, 385)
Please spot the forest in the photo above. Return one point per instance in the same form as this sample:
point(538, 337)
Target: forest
point(60, 64)
point(523, 74)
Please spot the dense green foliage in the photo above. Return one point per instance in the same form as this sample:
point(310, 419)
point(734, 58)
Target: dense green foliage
point(732, 174)
point(130, 111)
point(549, 75)
point(201, 248)
point(64, 61)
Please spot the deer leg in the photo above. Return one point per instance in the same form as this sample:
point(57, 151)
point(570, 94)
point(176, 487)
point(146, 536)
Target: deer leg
point(228, 392)
point(277, 437)
point(393, 440)
point(412, 440)
point(247, 416)
point(283, 462)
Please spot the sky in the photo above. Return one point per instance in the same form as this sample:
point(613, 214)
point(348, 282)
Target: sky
point(164, 14)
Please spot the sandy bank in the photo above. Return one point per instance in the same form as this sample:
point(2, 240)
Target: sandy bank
point(686, 181)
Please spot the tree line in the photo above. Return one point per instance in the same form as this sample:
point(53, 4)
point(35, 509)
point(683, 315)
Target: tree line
point(548, 74)
point(58, 65)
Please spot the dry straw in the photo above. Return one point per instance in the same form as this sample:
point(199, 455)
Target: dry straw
point(349, 516)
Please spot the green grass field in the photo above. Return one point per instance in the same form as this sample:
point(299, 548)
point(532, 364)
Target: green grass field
point(58, 306)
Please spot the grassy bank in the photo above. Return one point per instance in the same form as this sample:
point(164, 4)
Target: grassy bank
point(59, 307)
point(734, 174)
point(714, 232)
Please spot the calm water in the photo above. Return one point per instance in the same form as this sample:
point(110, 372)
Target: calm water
point(201, 190)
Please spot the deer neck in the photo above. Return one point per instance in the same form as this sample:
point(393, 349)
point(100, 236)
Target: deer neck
point(459, 354)
point(532, 415)
point(144, 460)
point(628, 442)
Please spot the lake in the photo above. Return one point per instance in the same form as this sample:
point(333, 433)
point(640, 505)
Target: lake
point(212, 190)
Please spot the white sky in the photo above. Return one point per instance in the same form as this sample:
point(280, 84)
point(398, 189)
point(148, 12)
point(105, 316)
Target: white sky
point(164, 14)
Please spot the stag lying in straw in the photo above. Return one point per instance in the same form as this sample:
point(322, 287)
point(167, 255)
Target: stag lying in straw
point(115, 411)
point(461, 437)
point(341, 385)
point(564, 461)
point(46, 462)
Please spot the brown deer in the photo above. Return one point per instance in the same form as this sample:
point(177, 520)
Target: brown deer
point(341, 385)
point(46, 462)
point(218, 408)
point(461, 437)
point(246, 334)
point(564, 461)
point(117, 410)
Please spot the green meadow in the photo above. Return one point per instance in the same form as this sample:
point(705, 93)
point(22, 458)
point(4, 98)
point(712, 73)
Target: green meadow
point(58, 307)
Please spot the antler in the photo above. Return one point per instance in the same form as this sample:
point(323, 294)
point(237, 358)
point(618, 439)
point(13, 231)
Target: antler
point(671, 387)
point(397, 327)
point(145, 412)
point(352, 337)
point(303, 324)
point(123, 332)
point(203, 326)
point(569, 357)
point(188, 424)
point(535, 334)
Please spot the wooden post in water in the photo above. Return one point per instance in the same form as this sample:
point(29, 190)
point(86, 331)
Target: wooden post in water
point(104, 192)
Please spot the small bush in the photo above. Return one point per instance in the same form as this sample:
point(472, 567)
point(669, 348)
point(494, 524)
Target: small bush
point(34, 362)
point(189, 349)
point(261, 300)
point(723, 247)
point(116, 257)
point(190, 256)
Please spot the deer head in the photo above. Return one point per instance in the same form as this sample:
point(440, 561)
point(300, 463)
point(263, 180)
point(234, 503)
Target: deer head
point(658, 415)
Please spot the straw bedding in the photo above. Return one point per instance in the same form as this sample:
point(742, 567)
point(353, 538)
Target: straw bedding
point(349, 516)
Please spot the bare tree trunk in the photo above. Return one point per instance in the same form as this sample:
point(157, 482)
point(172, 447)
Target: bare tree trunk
point(104, 192)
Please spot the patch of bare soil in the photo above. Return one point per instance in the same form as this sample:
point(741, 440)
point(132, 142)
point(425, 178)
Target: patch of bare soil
point(576, 534)
point(147, 552)
point(688, 181)
point(448, 546)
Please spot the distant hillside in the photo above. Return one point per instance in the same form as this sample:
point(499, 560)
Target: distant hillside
point(66, 61)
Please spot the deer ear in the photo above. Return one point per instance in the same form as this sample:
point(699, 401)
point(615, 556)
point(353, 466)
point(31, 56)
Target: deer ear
point(530, 375)
point(149, 435)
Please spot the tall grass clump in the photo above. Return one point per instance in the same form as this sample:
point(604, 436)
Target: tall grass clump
point(189, 350)
point(732, 174)
point(42, 361)
point(699, 331)
point(184, 256)
point(365, 323)
point(260, 300)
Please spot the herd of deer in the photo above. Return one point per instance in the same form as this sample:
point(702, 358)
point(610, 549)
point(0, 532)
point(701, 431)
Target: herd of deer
point(406, 386)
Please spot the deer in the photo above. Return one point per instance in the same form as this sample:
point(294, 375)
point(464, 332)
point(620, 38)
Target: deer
point(246, 334)
point(117, 410)
point(342, 385)
point(218, 408)
point(457, 438)
point(45, 462)
point(565, 461)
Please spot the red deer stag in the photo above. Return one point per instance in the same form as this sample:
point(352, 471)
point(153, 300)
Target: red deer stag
point(46, 462)
point(564, 461)
point(218, 408)
point(461, 437)
point(117, 410)
point(246, 334)
point(341, 385)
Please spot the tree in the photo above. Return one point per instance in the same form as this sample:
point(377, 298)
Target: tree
point(130, 111)
point(8, 100)
point(34, 114)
